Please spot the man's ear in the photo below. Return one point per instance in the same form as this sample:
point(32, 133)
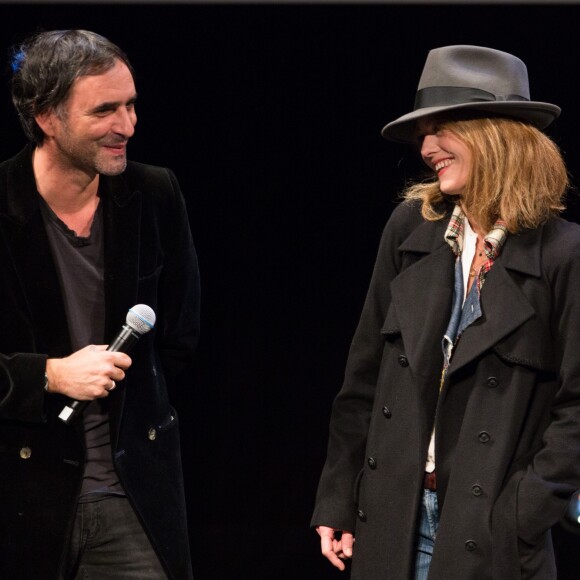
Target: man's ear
point(46, 121)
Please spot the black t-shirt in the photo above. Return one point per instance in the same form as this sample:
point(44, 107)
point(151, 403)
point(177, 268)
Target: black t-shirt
point(80, 266)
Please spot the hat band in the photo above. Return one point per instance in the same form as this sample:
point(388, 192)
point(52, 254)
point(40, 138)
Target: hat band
point(448, 96)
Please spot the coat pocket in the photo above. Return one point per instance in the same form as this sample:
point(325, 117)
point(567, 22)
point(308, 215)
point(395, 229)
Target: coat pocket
point(153, 274)
point(168, 422)
point(529, 347)
point(148, 286)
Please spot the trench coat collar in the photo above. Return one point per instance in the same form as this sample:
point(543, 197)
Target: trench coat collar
point(522, 254)
point(504, 305)
point(422, 296)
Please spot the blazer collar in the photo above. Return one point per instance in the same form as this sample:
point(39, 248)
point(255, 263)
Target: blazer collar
point(22, 194)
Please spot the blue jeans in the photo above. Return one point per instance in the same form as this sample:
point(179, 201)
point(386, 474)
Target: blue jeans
point(108, 543)
point(426, 532)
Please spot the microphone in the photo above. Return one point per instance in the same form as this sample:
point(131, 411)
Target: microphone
point(140, 319)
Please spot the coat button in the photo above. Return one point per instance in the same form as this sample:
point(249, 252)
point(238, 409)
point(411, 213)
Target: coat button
point(372, 463)
point(361, 516)
point(387, 412)
point(470, 545)
point(476, 490)
point(492, 382)
point(25, 453)
point(152, 434)
point(484, 437)
point(403, 360)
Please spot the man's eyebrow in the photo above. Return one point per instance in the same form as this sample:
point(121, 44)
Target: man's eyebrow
point(111, 105)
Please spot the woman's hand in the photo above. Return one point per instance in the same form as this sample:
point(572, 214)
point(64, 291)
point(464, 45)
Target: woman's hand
point(336, 550)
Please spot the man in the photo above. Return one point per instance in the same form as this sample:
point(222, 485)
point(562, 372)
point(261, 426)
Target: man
point(84, 236)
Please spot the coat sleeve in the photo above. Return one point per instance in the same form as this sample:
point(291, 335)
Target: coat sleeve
point(552, 476)
point(179, 292)
point(27, 402)
point(335, 501)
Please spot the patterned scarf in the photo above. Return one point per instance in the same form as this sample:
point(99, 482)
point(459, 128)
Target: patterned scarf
point(492, 243)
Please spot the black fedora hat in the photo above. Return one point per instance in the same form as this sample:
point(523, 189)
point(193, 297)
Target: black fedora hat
point(472, 78)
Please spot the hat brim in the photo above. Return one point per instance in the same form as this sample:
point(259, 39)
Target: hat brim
point(538, 114)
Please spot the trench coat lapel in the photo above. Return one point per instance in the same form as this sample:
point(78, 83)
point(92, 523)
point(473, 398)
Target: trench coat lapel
point(422, 295)
point(504, 306)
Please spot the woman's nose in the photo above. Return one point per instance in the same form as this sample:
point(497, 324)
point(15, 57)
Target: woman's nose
point(428, 146)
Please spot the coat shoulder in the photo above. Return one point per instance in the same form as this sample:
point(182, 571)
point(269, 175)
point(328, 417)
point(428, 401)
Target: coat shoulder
point(406, 215)
point(558, 230)
point(408, 230)
point(561, 243)
point(149, 178)
point(16, 161)
point(404, 219)
point(156, 185)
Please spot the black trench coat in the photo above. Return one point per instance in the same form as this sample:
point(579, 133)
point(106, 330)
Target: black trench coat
point(149, 259)
point(507, 419)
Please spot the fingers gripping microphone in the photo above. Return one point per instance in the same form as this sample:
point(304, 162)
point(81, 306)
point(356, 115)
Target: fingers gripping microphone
point(140, 319)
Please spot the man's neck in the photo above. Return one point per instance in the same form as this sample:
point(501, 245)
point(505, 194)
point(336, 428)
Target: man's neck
point(71, 194)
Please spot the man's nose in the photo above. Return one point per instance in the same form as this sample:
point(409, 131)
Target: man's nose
point(125, 121)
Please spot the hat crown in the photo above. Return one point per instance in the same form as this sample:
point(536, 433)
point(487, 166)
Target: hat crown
point(475, 80)
point(476, 67)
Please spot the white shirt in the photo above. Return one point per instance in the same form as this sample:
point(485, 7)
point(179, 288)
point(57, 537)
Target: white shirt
point(467, 255)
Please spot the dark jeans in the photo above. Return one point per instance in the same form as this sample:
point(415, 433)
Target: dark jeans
point(108, 543)
point(426, 534)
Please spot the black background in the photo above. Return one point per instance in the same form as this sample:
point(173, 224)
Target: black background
point(270, 116)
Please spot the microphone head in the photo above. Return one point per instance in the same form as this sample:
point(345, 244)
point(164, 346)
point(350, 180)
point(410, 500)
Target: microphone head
point(141, 318)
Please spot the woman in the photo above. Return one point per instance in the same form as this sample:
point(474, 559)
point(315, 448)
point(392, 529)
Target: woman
point(455, 439)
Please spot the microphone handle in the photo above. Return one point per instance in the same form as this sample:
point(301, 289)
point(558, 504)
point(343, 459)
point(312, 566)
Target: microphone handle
point(72, 410)
point(123, 342)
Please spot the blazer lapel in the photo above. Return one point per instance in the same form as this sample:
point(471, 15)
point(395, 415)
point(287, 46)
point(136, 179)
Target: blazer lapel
point(122, 219)
point(24, 234)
